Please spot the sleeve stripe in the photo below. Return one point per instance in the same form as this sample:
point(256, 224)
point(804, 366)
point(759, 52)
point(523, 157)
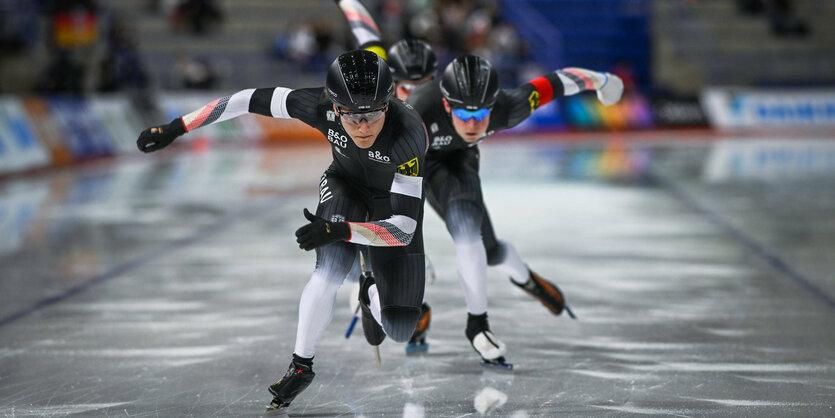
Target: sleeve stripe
point(219, 110)
point(570, 84)
point(407, 185)
point(395, 231)
point(195, 119)
point(278, 104)
point(374, 234)
point(357, 18)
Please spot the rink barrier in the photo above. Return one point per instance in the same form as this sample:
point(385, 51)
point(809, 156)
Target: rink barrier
point(38, 132)
point(731, 108)
point(20, 148)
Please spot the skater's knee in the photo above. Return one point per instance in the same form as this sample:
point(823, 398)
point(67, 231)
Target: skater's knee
point(463, 219)
point(497, 253)
point(399, 321)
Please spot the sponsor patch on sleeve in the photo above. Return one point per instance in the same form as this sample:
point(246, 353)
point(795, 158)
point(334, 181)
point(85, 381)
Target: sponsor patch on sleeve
point(533, 99)
point(409, 168)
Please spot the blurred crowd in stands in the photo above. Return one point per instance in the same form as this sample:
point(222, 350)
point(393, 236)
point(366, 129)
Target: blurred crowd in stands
point(780, 14)
point(85, 49)
point(87, 46)
point(452, 27)
point(90, 47)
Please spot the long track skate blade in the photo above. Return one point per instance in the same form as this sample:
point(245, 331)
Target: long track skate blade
point(417, 348)
point(276, 409)
point(569, 312)
point(377, 355)
point(499, 364)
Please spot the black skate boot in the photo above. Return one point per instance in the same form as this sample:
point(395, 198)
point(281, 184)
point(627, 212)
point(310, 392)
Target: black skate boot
point(546, 293)
point(298, 378)
point(373, 331)
point(418, 342)
point(485, 343)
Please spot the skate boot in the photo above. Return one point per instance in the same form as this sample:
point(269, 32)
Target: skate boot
point(485, 343)
point(298, 378)
point(373, 331)
point(418, 341)
point(546, 293)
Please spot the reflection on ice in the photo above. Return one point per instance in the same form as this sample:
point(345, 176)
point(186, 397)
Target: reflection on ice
point(489, 400)
point(413, 410)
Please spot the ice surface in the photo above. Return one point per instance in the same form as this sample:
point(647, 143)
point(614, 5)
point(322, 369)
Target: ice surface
point(169, 286)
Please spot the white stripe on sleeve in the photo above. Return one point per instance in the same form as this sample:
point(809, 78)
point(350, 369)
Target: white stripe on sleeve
point(569, 86)
point(278, 104)
point(237, 105)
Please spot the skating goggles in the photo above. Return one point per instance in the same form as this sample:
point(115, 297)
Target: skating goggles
point(466, 115)
point(355, 118)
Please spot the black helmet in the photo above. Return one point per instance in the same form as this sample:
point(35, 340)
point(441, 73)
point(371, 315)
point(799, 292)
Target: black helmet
point(359, 81)
point(470, 82)
point(412, 59)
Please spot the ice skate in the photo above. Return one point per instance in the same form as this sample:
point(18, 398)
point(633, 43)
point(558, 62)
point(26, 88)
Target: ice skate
point(546, 293)
point(611, 90)
point(297, 379)
point(373, 331)
point(485, 343)
point(417, 343)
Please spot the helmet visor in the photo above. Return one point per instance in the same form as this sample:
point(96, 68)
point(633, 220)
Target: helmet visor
point(355, 118)
point(466, 115)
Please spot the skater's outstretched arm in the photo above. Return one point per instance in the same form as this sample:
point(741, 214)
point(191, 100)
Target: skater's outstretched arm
point(278, 102)
point(362, 26)
point(565, 82)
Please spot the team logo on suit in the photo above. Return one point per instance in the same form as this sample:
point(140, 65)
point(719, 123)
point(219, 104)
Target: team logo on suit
point(409, 168)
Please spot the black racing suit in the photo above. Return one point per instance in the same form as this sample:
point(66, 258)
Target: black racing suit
point(360, 185)
point(377, 190)
point(452, 164)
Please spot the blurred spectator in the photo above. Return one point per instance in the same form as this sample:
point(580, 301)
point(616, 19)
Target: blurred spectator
point(122, 67)
point(308, 46)
point(63, 75)
point(195, 73)
point(780, 15)
point(18, 18)
point(74, 32)
point(198, 14)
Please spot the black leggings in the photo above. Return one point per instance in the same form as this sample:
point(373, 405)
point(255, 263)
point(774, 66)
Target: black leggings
point(453, 176)
point(398, 271)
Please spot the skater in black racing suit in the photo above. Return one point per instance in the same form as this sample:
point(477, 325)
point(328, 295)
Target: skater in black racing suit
point(460, 110)
point(371, 196)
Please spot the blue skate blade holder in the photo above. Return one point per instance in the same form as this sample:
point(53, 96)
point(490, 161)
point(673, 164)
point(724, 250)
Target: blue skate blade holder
point(351, 327)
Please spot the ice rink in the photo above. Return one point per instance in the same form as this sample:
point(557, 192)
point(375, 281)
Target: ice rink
point(168, 285)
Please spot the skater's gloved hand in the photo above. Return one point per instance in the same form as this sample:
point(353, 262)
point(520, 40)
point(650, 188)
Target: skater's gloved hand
point(159, 137)
point(319, 232)
point(611, 91)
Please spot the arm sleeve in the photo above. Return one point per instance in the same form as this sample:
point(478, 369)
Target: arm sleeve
point(520, 102)
point(523, 100)
point(362, 26)
point(406, 198)
point(268, 102)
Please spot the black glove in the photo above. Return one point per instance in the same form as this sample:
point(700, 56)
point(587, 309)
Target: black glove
point(159, 137)
point(318, 232)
